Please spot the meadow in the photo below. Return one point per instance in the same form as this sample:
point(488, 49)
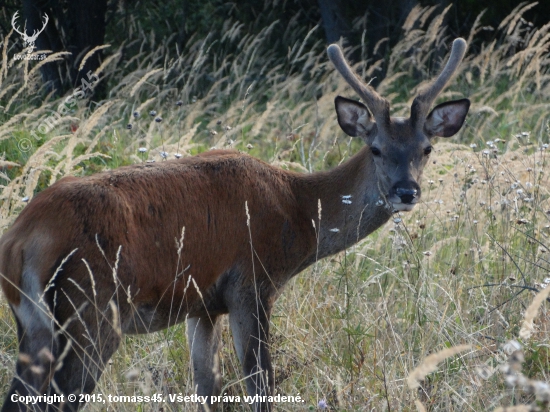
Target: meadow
point(461, 269)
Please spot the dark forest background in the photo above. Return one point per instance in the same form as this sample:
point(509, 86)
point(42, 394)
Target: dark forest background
point(78, 26)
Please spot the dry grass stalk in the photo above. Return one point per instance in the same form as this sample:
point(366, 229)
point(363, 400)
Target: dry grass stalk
point(186, 138)
point(51, 282)
point(116, 319)
point(5, 90)
point(51, 58)
point(517, 15)
point(86, 128)
point(4, 67)
point(145, 104)
point(14, 120)
point(517, 408)
point(105, 63)
point(96, 138)
point(90, 53)
point(419, 406)
point(531, 313)
point(143, 80)
point(27, 75)
point(5, 163)
point(430, 363)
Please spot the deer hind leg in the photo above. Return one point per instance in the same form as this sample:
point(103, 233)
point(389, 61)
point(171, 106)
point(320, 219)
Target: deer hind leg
point(37, 347)
point(249, 321)
point(204, 335)
point(61, 359)
point(86, 343)
point(35, 364)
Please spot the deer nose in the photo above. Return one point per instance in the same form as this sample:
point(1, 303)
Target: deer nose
point(407, 195)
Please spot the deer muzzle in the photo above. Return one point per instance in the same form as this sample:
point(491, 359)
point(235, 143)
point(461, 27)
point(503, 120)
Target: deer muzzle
point(404, 196)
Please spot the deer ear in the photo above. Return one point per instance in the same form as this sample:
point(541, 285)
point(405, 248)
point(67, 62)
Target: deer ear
point(446, 118)
point(353, 117)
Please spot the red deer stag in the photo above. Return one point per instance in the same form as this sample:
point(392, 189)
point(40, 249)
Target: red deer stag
point(143, 247)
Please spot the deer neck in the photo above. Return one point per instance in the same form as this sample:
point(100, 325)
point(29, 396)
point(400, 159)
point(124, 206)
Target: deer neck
point(352, 205)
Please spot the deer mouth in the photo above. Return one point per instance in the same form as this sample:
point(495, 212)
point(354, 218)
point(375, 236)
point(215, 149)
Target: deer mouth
point(404, 199)
point(403, 203)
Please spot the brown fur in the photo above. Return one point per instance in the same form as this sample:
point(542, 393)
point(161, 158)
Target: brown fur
point(143, 208)
point(248, 228)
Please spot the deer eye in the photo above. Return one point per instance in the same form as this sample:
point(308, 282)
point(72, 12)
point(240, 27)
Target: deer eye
point(375, 151)
point(428, 150)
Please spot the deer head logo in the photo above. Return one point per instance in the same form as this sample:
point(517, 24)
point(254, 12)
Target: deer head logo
point(28, 41)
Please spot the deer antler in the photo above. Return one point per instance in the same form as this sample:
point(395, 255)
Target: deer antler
point(37, 32)
point(29, 39)
point(13, 24)
point(422, 103)
point(379, 106)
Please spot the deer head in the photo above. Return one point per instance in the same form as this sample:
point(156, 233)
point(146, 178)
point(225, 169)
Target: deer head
point(400, 147)
point(29, 41)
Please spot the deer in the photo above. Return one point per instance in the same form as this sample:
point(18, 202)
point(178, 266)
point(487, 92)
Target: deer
point(29, 41)
point(143, 247)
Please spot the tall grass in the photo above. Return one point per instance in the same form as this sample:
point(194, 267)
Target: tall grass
point(460, 269)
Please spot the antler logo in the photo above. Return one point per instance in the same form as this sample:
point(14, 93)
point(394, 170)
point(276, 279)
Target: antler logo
point(28, 41)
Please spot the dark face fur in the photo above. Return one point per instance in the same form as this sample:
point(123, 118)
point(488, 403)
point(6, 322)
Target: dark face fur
point(400, 149)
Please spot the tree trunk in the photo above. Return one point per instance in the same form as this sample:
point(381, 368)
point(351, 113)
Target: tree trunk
point(87, 18)
point(83, 27)
point(183, 36)
point(49, 39)
point(333, 21)
point(386, 18)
